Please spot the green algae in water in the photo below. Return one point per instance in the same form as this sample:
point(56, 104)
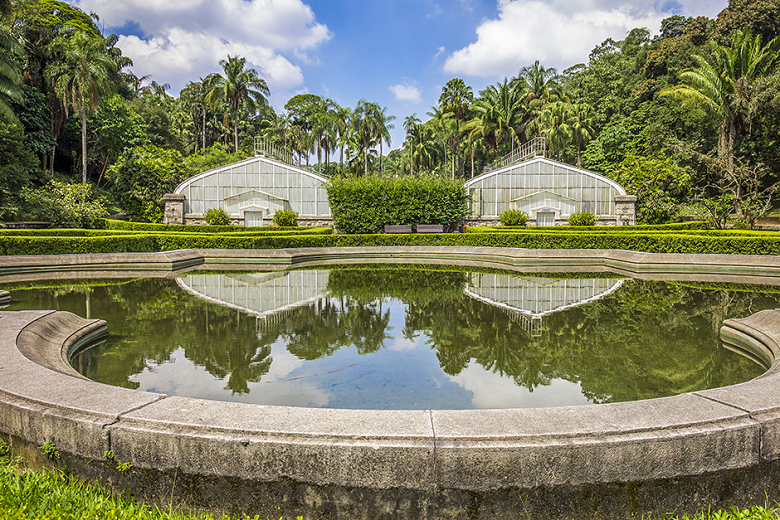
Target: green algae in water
point(408, 338)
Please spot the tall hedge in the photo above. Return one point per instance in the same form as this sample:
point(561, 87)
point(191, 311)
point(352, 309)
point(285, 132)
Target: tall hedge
point(367, 204)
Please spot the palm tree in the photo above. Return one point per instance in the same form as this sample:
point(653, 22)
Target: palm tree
point(364, 123)
point(456, 98)
point(725, 89)
point(410, 122)
point(343, 119)
point(442, 124)
point(10, 77)
point(499, 114)
point(239, 88)
point(382, 125)
point(581, 128)
point(81, 78)
point(555, 123)
point(537, 80)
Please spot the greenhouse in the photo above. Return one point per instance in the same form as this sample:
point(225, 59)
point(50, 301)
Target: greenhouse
point(527, 300)
point(548, 192)
point(250, 191)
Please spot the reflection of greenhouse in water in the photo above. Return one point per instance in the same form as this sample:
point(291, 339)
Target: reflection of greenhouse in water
point(268, 296)
point(528, 299)
point(271, 296)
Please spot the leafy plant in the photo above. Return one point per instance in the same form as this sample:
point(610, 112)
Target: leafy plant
point(513, 217)
point(285, 218)
point(141, 177)
point(120, 466)
point(217, 217)
point(65, 204)
point(582, 218)
point(49, 450)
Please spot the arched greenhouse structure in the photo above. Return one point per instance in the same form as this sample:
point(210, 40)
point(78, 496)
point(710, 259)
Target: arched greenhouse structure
point(548, 192)
point(251, 191)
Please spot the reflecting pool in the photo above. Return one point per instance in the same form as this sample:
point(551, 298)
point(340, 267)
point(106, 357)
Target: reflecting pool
point(407, 337)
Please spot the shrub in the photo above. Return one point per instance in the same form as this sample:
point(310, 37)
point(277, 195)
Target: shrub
point(285, 218)
point(513, 217)
point(217, 217)
point(582, 218)
point(366, 204)
point(65, 204)
point(141, 177)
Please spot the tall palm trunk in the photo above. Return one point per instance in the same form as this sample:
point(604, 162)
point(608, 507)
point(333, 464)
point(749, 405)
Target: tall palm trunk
point(83, 114)
point(235, 133)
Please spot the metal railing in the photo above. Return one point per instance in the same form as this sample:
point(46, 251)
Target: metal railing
point(536, 147)
point(266, 148)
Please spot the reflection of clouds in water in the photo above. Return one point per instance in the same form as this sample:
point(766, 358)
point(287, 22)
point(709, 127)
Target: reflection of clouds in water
point(180, 376)
point(402, 344)
point(492, 390)
point(283, 362)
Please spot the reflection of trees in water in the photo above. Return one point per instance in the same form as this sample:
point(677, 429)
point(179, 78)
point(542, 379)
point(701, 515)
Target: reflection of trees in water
point(644, 340)
point(148, 320)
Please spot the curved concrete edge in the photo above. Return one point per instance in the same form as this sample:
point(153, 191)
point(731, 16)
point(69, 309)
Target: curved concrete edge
point(433, 455)
point(474, 450)
point(672, 266)
point(141, 263)
point(5, 298)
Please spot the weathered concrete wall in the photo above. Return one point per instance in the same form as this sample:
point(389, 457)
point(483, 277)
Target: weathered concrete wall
point(617, 460)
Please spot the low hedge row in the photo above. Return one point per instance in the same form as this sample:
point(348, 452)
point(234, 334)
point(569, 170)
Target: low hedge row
point(624, 231)
point(248, 232)
point(654, 243)
point(679, 226)
point(158, 228)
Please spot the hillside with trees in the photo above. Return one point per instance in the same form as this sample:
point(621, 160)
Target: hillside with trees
point(686, 120)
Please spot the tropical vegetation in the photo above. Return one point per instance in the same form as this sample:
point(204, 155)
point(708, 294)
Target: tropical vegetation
point(684, 118)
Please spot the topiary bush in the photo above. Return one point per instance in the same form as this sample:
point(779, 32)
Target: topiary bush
point(583, 218)
point(513, 217)
point(217, 217)
point(285, 218)
point(366, 204)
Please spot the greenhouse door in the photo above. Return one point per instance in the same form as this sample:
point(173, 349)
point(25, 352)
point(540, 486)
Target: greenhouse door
point(545, 218)
point(253, 218)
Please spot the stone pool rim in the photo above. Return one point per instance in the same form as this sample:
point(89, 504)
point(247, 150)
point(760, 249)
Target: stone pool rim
point(432, 454)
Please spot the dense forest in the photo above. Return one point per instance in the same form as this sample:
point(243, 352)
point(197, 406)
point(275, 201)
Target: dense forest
point(687, 120)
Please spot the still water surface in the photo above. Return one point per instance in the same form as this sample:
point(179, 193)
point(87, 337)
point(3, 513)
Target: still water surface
point(402, 338)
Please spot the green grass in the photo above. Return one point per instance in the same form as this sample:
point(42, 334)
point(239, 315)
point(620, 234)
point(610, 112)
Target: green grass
point(48, 494)
point(753, 513)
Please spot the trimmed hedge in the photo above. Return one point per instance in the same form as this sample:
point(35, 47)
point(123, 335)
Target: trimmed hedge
point(367, 204)
point(679, 226)
point(102, 232)
point(768, 244)
point(143, 226)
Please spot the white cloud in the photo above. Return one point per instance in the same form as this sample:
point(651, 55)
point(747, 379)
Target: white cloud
point(439, 50)
point(406, 93)
point(186, 39)
point(558, 33)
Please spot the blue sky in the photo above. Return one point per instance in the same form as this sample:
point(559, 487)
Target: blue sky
point(397, 53)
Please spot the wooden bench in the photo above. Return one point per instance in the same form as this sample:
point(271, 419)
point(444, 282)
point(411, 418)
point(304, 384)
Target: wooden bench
point(430, 228)
point(401, 228)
